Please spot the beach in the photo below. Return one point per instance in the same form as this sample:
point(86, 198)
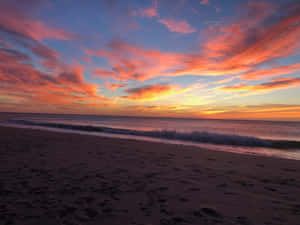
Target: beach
point(72, 179)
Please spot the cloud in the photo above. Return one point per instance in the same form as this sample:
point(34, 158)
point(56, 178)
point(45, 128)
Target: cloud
point(204, 2)
point(178, 26)
point(33, 73)
point(104, 73)
point(21, 29)
point(226, 80)
point(137, 63)
point(19, 78)
point(47, 57)
point(262, 34)
point(266, 33)
point(274, 84)
point(149, 12)
point(17, 19)
point(114, 87)
point(271, 72)
point(153, 92)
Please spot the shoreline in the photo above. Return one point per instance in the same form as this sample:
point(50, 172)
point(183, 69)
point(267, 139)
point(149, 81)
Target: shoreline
point(293, 154)
point(50, 178)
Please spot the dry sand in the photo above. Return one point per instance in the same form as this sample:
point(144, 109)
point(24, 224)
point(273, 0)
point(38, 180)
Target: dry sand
point(54, 178)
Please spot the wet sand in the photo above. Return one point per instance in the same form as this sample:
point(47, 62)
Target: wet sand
point(54, 178)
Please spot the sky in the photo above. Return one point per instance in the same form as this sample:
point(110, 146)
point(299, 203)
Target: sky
point(220, 59)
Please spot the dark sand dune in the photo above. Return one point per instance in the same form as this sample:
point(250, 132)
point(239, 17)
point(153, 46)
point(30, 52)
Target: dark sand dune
point(54, 178)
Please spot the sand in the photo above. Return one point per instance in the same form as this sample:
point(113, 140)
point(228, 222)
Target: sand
point(53, 178)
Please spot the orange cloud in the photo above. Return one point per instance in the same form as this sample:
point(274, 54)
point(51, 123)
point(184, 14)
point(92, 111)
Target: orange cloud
point(272, 72)
point(177, 26)
point(23, 77)
point(229, 79)
point(153, 92)
point(20, 79)
point(237, 48)
point(274, 84)
point(248, 42)
point(131, 62)
point(114, 87)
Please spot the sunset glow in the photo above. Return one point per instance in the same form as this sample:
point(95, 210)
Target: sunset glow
point(198, 59)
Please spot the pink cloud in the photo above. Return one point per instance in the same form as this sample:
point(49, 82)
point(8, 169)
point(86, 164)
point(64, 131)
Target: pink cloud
point(227, 80)
point(248, 42)
point(20, 28)
point(274, 84)
point(18, 76)
point(177, 26)
point(149, 13)
point(236, 48)
point(131, 62)
point(23, 76)
point(18, 20)
point(104, 73)
point(204, 2)
point(271, 72)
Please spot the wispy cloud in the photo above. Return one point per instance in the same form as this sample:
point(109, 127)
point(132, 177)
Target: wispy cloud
point(32, 72)
point(271, 72)
point(240, 47)
point(17, 20)
point(274, 84)
point(136, 63)
point(248, 42)
point(179, 26)
point(103, 73)
point(22, 80)
point(21, 29)
point(114, 87)
point(153, 92)
point(204, 2)
point(226, 80)
point(149, 12)
point(248, 47)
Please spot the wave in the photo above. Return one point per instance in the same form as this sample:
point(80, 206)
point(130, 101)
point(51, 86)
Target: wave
point(201, 137)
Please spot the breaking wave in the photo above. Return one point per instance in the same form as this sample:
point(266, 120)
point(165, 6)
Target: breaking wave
point(200, 137)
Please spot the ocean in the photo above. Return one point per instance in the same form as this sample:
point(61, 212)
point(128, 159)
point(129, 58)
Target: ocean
point(268, 138)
